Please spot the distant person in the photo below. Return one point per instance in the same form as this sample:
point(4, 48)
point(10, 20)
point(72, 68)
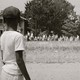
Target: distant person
point(12, 47)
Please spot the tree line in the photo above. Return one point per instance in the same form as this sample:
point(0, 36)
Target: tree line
point(52, 15)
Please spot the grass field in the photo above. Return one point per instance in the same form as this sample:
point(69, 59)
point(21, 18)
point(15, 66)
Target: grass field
point(48, 53)
point(52, 52)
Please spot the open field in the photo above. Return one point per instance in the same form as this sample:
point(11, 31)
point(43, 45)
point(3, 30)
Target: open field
point(42, 71)
point(41, 56)
point(53, 52)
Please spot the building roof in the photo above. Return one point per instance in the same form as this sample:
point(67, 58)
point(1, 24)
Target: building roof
point(23, 18)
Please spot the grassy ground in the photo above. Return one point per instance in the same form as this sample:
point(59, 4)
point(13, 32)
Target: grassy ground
point(39, 53)
point(52, 52)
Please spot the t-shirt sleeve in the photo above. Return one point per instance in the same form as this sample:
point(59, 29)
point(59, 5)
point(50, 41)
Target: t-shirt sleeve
point(19, 43)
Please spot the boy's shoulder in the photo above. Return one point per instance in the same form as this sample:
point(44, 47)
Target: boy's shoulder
point(12, 33)
point(17, 34)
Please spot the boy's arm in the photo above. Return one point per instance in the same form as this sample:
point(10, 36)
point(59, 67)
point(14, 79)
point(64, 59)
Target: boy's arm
point(2, 56)
point(21, 64)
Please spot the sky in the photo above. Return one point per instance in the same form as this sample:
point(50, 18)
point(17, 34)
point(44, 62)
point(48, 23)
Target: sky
point(21, 4)
point(76, 3)
point(17, 3)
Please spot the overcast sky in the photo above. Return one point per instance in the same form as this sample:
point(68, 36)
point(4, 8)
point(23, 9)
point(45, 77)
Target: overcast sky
point(21, 4)
point(76, 3)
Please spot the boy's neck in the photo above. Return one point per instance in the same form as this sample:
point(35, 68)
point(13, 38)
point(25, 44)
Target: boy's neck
point(11, 29)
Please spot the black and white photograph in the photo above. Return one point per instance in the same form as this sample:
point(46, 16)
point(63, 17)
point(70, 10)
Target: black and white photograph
point(39, 39)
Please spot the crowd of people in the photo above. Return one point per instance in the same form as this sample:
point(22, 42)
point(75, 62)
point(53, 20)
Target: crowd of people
point(30, 37)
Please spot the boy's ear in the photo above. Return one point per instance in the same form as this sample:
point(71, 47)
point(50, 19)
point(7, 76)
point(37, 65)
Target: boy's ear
point(4, 20)
point(18, 19)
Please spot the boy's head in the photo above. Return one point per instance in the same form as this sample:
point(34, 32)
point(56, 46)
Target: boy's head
point(11, 16)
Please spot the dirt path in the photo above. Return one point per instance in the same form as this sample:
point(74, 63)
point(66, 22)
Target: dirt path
point(66, 71)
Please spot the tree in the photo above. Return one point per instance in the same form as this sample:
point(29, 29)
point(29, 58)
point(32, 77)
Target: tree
point(71, 25)
point(70, 29)
point(48, 14)
point(78, 28)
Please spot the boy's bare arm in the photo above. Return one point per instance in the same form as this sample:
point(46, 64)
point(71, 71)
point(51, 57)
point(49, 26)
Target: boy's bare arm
point(2, 57)
point(21, 64)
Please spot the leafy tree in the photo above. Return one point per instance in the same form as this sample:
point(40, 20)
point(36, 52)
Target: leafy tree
point(71, 26)
point(78, 28)
point(47, 14)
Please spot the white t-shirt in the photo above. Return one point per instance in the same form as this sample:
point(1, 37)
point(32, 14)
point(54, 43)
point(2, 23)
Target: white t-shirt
point(11, 41)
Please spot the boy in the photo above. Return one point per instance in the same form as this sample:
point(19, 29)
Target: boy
point(12, 47)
